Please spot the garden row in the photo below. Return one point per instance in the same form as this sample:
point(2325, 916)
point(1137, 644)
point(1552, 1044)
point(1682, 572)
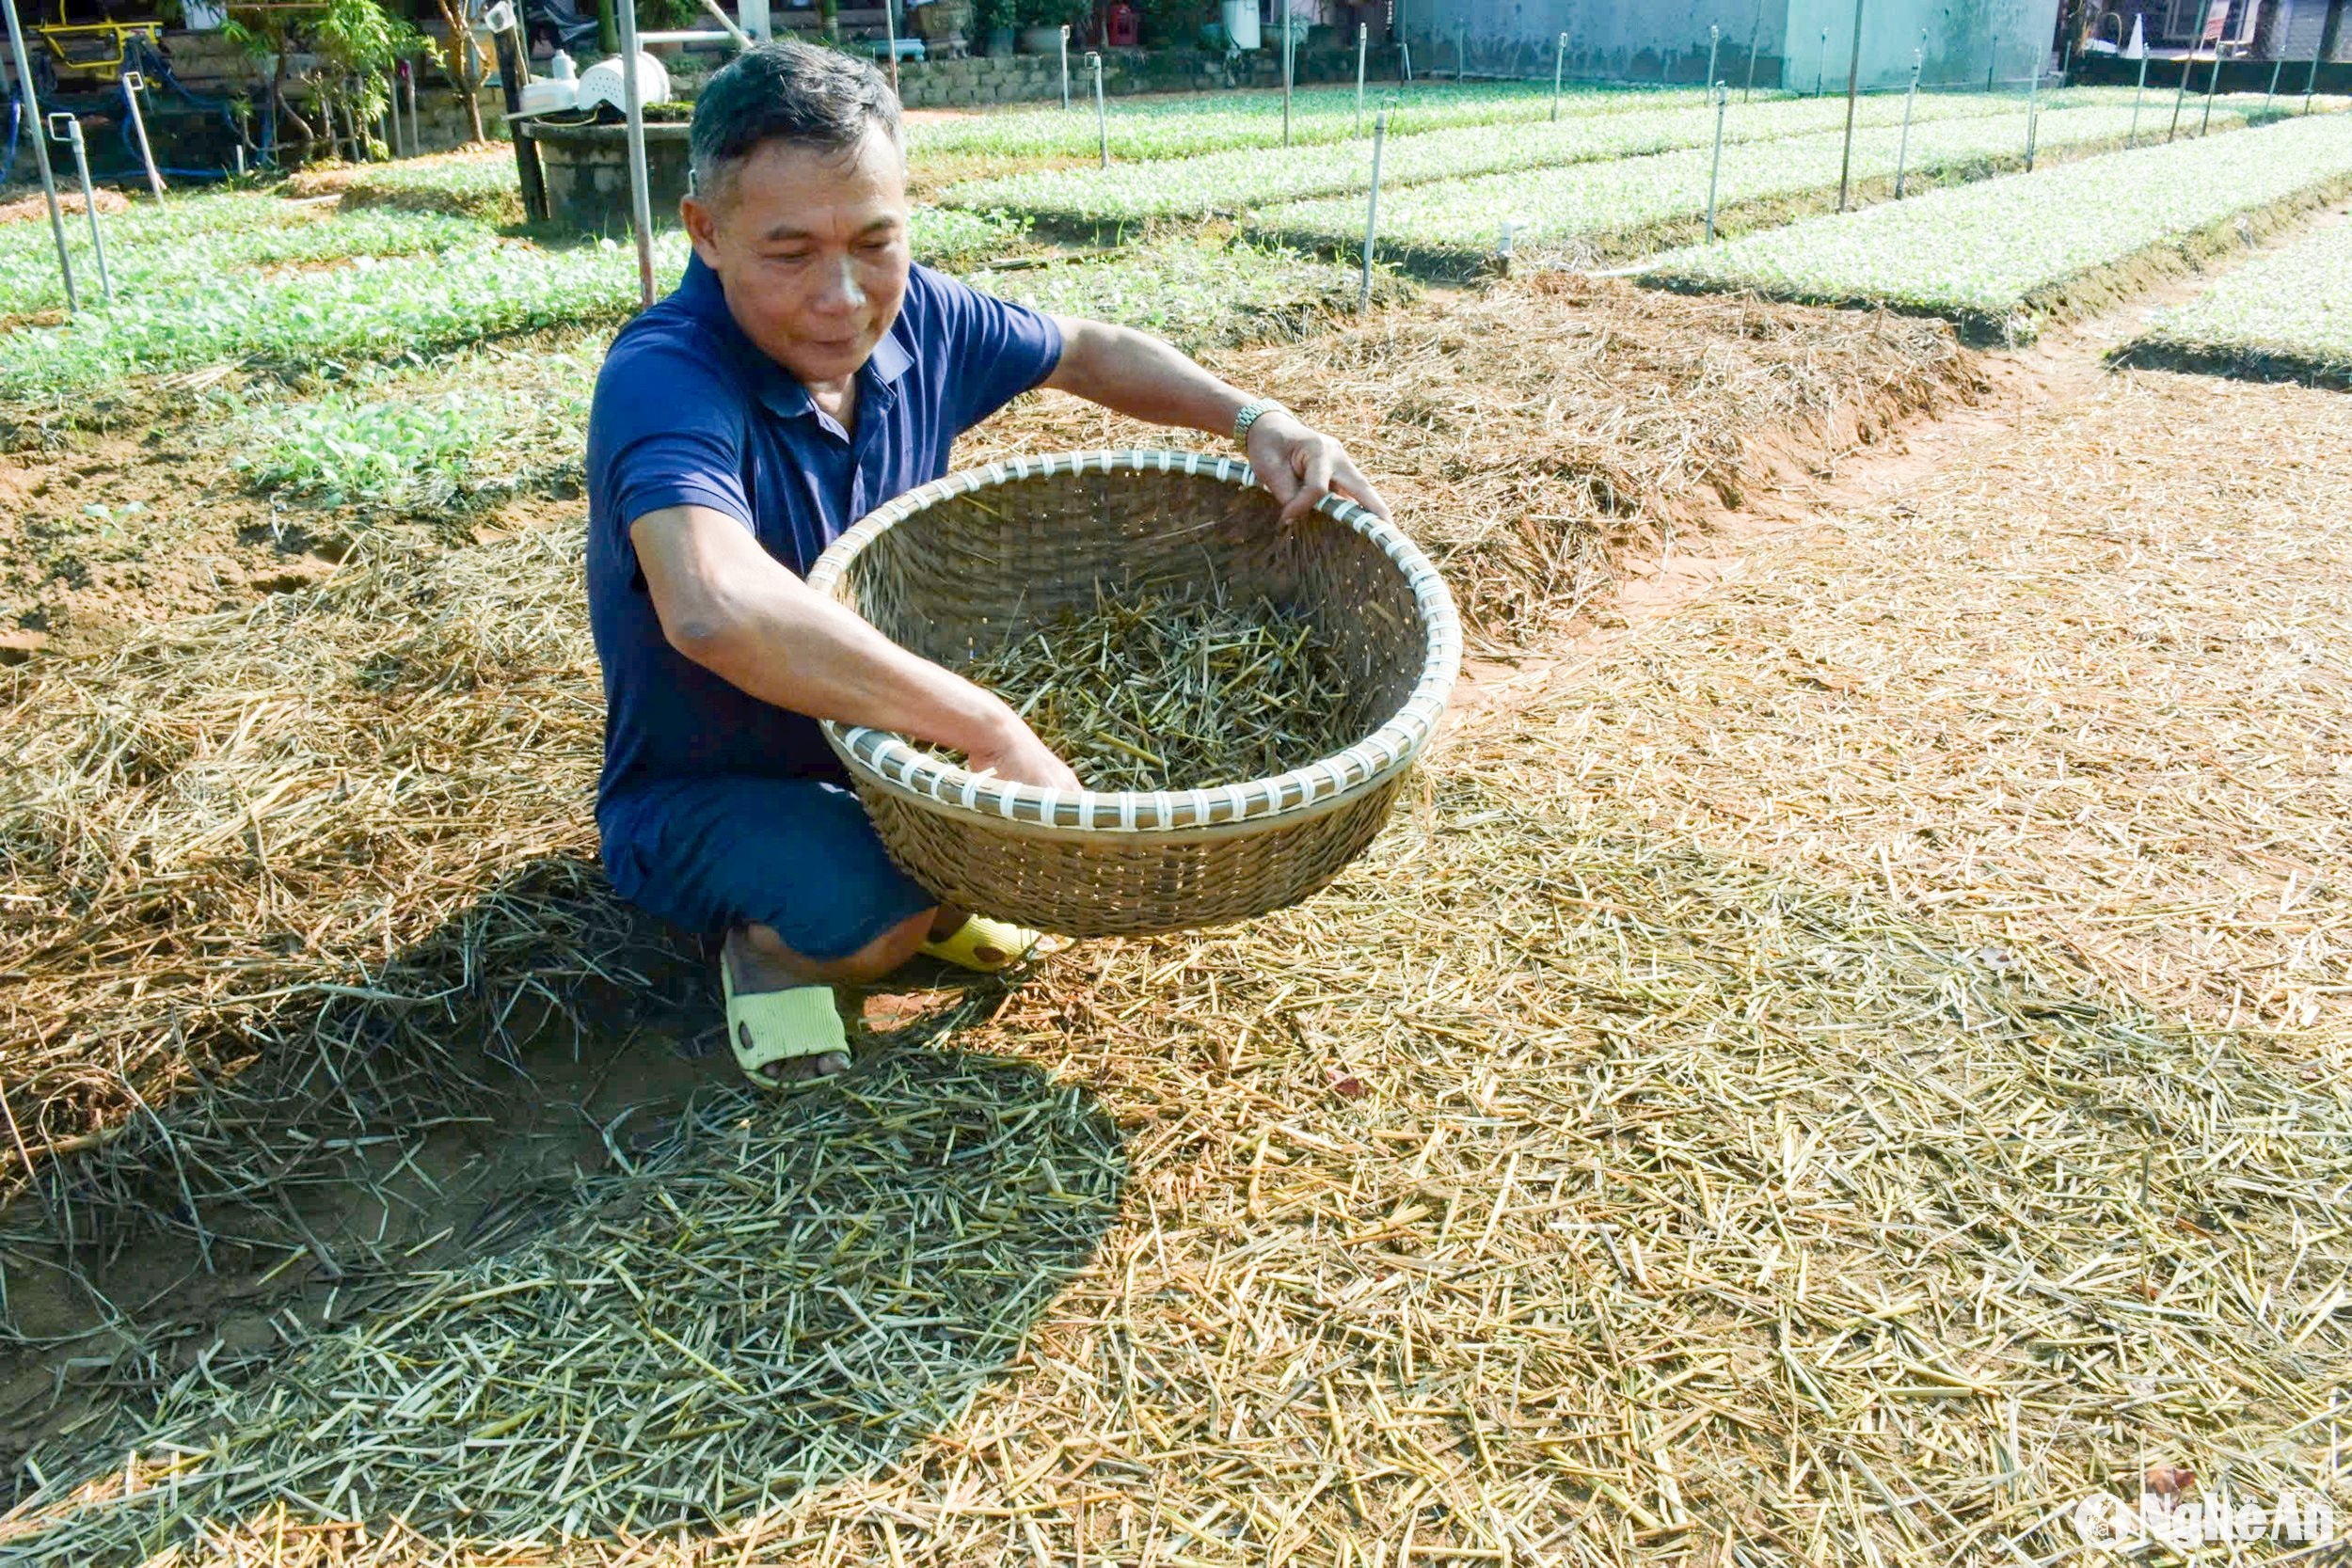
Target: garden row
point(1634, 203)
point(1222, 183)
point(2285, 316)
point(2000, 258)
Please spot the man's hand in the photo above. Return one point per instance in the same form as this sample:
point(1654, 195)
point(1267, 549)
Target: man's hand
point(1302, 465)
point(1016, 755)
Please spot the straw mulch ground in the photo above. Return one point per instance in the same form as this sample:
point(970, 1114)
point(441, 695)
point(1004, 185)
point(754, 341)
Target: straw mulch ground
point(2076, 686)
point(1529, 433)
point(1574, 1183)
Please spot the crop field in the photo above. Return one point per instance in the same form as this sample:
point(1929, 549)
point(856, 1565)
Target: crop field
point(1611, 207)
point(1235, 182)
point(2287, 315)
point(1998, 255)
point(1839, 1055)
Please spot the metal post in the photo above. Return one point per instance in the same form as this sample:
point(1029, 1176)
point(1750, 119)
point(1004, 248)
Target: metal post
point(1559, 64)
point(2309, 82)
point(64, 128)
point(1714, 173)
point(1853, 90)
point(1714, 44)
point(392, 113)
point(1065, 65)
point(1101, 115)
point(40, 148)
point(633, 106)
point(2133, 138)
point(1403, 71)
point(1756, 34)
point(133, 82)
point(2189, 63)
point(1911, 97)
point(1371, 209)
point(1363, 44)
point(890, 36)
point(2033, 114)
point(408, 90)
point(1993, 58)
point(1461, 54)
point(1821, 68)
point(2272, 91)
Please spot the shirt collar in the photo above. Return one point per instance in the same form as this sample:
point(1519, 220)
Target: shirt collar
point(778, 389)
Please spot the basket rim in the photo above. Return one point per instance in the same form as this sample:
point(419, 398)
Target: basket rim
point(881, 759)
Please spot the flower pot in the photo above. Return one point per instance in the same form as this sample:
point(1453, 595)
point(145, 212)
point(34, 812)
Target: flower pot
point(942, 20)
point(1041, 41)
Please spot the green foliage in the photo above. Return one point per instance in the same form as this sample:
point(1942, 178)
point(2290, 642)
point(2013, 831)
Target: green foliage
point(1992, 253)
point(1233, 181)
point(2289, 312)
point(1622, 204)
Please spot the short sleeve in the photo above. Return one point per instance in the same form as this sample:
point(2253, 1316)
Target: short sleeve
point(667, 428)
point(995, 350)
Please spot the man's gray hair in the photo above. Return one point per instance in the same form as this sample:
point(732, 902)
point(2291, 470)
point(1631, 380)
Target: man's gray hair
point(794, 93)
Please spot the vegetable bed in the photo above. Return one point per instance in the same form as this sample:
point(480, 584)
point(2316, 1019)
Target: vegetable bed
point(376, 309)
point(1998, 258)
point(2283, 317)
point(1178, 127)
point(1089, 200)
point(1611, 207)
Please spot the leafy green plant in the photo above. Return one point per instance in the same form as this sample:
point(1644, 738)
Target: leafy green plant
point(2287, 313)
point(1994, 255)
point(1625, 205)
point(1233, 181)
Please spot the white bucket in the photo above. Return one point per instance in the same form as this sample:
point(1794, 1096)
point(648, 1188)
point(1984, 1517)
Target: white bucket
point(1241, 22)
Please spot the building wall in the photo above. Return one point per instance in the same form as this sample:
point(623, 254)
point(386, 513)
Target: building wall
point(1961, 41)
point(1654, 40)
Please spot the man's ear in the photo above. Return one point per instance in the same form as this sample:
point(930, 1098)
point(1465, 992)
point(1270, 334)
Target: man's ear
point(702, 226)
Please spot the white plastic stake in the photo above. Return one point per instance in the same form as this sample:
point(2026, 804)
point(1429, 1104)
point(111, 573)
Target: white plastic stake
point(1714, 173)
point(1404, 67)
point(1363, 43)
point(1559, 64)
point(132, 84)
point(2033, 113)
point(1911, 97)
point(633, 106)
point(1371, 209)
point(64, 128)
point(40, 148)
point(1101, 115)
point(1289, 32)
point(1065, 65)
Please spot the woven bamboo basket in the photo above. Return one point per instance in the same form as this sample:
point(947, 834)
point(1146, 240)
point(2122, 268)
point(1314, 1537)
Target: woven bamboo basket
point(965, 566)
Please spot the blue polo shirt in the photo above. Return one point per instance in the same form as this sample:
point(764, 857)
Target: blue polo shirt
point(687, 411)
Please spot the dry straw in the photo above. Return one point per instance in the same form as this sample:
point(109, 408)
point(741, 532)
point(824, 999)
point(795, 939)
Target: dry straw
point(1571, 1184)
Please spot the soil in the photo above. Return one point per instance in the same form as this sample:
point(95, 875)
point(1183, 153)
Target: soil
point(24, 208)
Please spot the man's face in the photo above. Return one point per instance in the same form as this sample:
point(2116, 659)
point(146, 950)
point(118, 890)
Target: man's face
point(811, 250)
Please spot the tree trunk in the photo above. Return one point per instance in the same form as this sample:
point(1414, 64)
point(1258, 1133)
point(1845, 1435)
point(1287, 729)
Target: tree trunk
point(464, 68)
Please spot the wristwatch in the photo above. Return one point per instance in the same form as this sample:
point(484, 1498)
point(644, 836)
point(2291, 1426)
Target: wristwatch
point(1251, 414)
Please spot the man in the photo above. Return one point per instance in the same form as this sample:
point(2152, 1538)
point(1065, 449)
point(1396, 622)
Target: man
point(804, 373)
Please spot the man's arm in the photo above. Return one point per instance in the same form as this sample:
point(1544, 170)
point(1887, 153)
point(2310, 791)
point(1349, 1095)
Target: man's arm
point(1134, 373)
point(732, 608)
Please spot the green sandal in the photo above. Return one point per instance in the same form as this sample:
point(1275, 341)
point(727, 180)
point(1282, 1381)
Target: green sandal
point(771, 1026)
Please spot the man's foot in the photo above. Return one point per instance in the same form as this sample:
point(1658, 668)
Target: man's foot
point(786, 1033)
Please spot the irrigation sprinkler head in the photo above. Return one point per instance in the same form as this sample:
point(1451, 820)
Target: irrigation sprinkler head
point(63, 127)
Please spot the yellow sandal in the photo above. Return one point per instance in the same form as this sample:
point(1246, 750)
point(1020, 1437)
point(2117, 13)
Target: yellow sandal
point(984, 946)
point(771, 1026)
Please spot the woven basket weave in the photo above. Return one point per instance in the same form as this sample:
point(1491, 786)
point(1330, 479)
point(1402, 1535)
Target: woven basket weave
point(969, 565)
